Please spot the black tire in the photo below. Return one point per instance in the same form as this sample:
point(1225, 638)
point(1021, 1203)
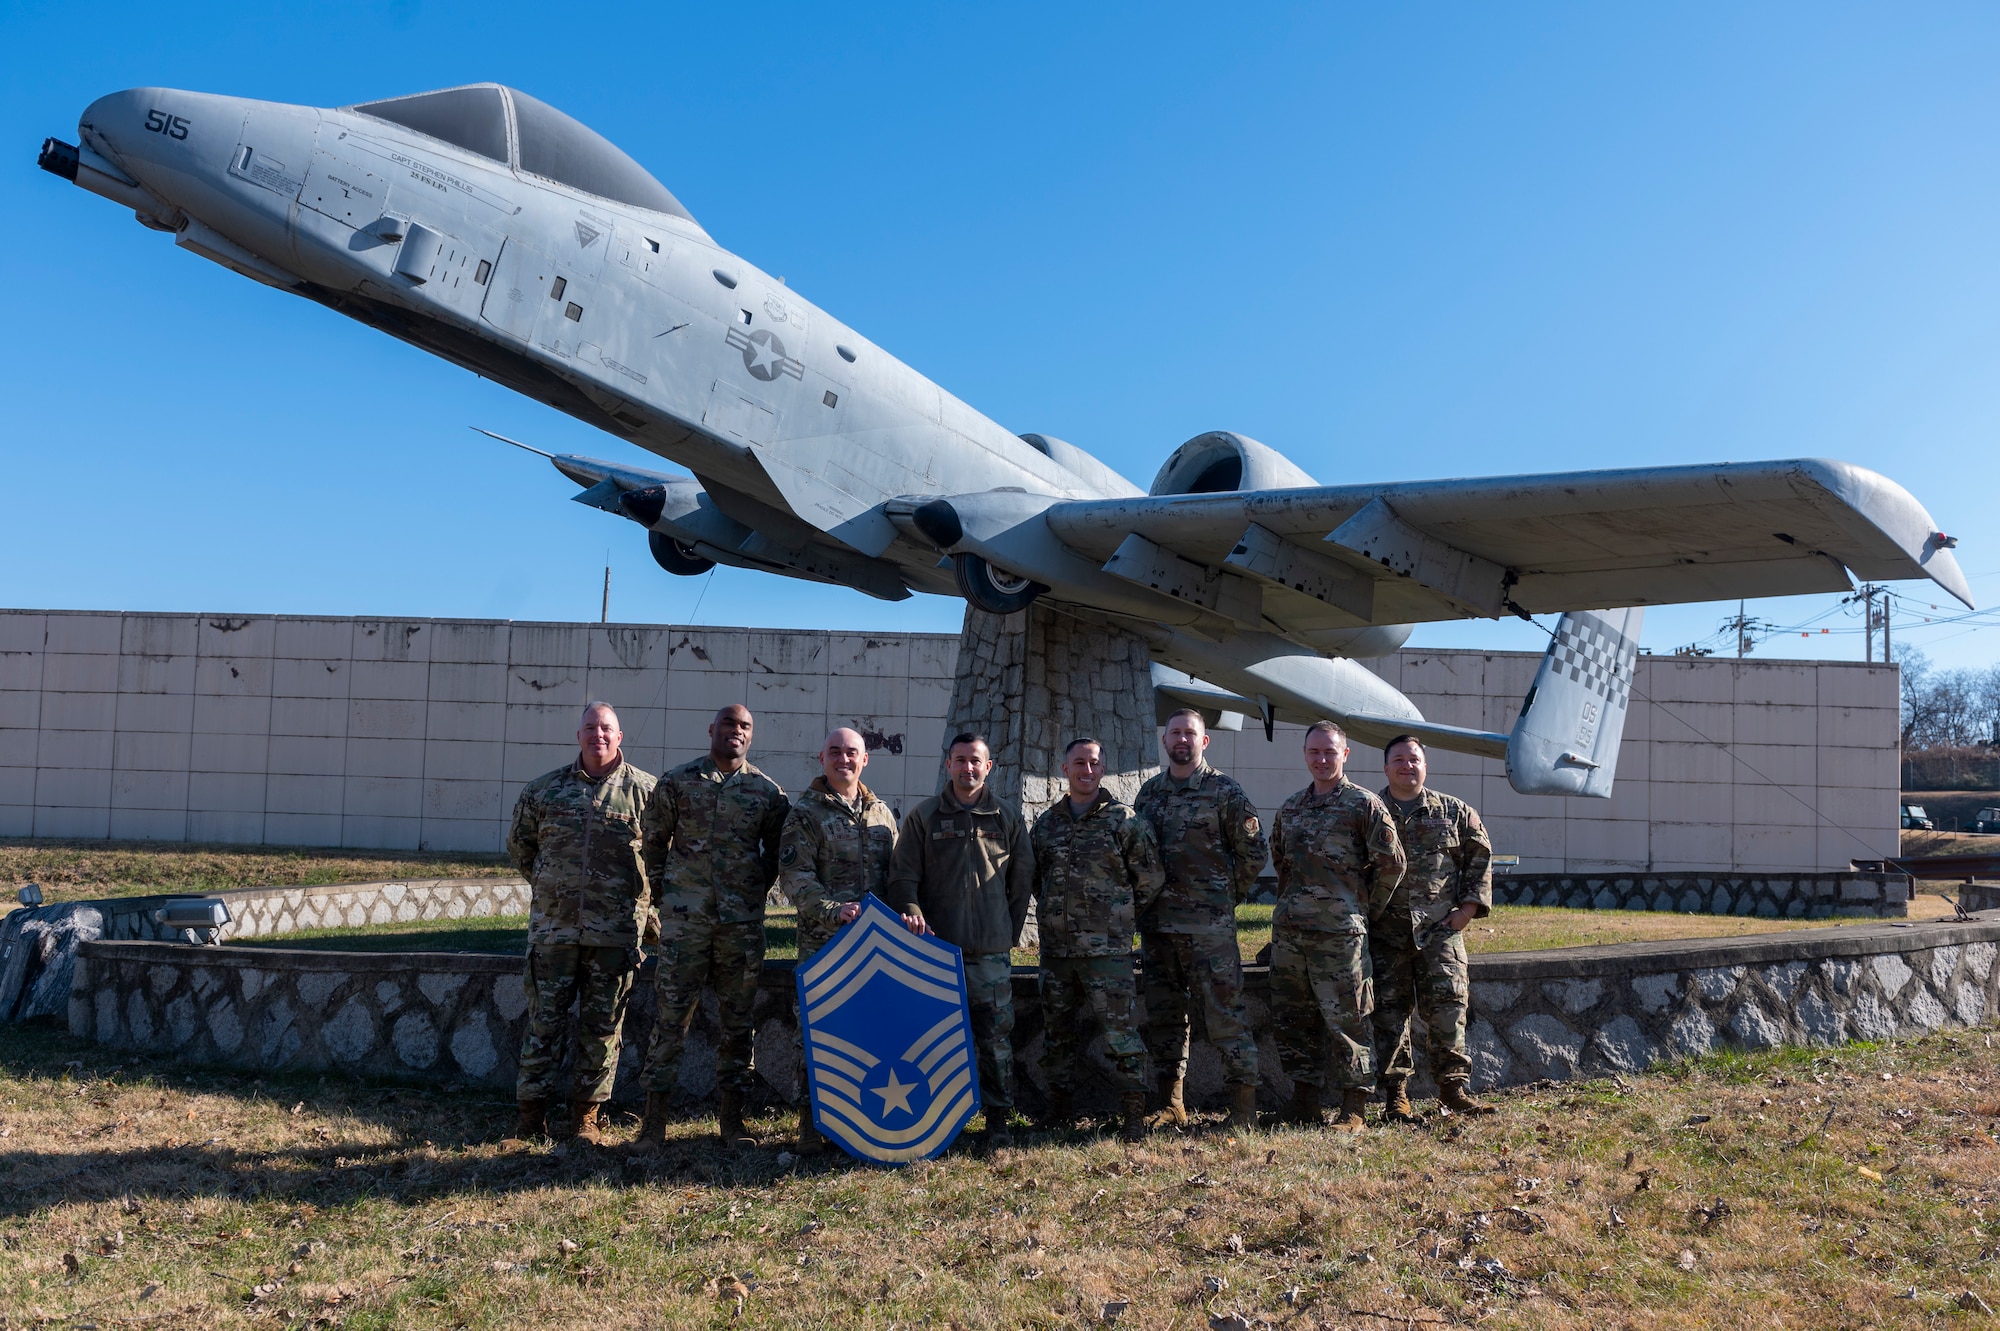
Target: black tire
point(991, 590)
point(675, 557)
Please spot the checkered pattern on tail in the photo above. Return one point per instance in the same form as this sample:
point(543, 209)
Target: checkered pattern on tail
point(1592, 652)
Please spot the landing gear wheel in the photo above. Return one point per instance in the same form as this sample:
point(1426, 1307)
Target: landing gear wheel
point(675, 557)
point(990, 589)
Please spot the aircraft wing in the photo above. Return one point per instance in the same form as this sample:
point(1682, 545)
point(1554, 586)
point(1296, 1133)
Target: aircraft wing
point(1326, 558)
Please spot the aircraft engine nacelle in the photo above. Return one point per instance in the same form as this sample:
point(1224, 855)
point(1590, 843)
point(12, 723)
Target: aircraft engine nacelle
point(1220, 461)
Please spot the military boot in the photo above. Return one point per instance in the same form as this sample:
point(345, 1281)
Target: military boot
point(1353, 1115)
point(1173, 1109)
point(589, 1131)
point(1243, 1106)
point(652, 1138)
point(996, 1134)
point(729, 1120)
point(1062, 1110)
point(532, 1122)
point(1305, 1110)
point(1132, 1112)
point(1455, 1094)
point(811, 1142)
point(1396, 1106)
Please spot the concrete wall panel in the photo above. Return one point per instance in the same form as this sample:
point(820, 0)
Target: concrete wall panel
point(225, 716)
point(141, 673)
point(83, 632)
point(23, 631)
point(20, 709)
point(21, 669)
point(166, 713)
point(305, 639)
point(17, 786)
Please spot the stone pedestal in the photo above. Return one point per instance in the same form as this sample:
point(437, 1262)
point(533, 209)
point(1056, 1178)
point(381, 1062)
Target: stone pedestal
point(1033, 681)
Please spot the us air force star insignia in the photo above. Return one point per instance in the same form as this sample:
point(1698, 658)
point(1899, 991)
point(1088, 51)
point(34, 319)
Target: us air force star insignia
point(764, 355)
point(888, 1040)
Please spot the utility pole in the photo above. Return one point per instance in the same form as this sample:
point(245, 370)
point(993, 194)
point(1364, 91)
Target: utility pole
point(1871, 619)
point(1743, 625)
point(604, 616)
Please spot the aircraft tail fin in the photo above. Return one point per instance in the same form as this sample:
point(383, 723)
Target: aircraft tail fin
point(1565, 742)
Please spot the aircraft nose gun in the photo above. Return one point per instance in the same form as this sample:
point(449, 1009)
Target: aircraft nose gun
point(87, 170)
point(199, 919)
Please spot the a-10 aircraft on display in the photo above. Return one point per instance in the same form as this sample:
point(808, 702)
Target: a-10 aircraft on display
point(491, 229)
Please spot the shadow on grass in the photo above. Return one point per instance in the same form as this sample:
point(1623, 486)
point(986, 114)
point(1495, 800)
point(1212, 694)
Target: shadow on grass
point(443, 1143)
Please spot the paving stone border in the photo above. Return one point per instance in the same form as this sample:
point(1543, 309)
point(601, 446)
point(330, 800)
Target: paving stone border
point(440, 1017)
point(1772, 896)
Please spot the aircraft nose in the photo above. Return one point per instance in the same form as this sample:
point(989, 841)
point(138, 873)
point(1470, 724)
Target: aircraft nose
point(182, 133)
point(112, 125)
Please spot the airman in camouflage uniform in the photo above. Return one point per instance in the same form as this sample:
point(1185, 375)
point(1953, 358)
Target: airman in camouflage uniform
point(1213, 848)
point(1338, 864)
point(575, 838)
point(1449, 884)
point(836, 849)
point(964, 870)
point(1096, 864)
point(711, 845)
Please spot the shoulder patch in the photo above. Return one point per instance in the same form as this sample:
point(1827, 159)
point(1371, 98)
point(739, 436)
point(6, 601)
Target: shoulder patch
point(789, 855)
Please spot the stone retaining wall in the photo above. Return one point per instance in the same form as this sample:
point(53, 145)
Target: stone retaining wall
point(257, 912)
point(1772, 896)
point(38, 944)
point(439, 1017)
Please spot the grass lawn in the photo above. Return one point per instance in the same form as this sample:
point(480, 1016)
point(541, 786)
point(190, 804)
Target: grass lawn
point(1508, 929)
point(1839, 1188)
point(84, 870)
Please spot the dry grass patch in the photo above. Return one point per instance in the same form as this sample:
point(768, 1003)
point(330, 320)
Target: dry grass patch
point(1844, 1188)
point(83, 870)
point(1951, 843)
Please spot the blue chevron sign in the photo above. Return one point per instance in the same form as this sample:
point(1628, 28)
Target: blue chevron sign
point(888, 1040)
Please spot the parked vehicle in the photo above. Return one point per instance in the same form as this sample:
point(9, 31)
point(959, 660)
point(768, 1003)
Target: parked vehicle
point(1987, 821)
point(1915, 819)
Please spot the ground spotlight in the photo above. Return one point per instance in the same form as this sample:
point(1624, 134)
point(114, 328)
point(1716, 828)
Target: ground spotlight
point(199, 919)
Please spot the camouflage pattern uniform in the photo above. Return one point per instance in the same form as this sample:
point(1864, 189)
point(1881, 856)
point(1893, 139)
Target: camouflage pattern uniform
point(1093, 873)
point(575, 838)
point(711, 846)
point(833, 851)
point(1338, 864)
point(969, 871)
point(1213, 848)
point(1450, 863)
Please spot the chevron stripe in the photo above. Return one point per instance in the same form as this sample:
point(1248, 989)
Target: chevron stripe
point(957, 1061)
point(853, 1051)
point(916, 1051)
point(833, 963)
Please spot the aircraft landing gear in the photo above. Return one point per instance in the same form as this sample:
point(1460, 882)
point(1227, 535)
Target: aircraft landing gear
point(991, 589)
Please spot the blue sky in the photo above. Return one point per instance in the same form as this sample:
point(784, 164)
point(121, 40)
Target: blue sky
point(1391, 242)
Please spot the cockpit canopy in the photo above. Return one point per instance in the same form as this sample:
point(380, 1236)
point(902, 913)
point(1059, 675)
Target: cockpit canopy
point(516, 130)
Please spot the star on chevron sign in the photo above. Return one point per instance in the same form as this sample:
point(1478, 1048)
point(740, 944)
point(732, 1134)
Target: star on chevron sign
point(895, 1094)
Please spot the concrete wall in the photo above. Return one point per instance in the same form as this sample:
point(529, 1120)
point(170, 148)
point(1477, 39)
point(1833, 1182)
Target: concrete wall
point(418, 733)
point(1744, 766)
point(1562, 1014)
